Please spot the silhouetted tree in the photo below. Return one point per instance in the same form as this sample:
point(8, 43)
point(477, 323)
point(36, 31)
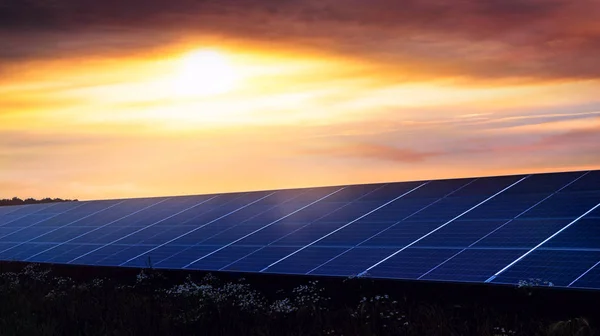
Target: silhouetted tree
point(19, 201)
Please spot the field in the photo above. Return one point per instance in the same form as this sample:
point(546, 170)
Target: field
point(74, 300)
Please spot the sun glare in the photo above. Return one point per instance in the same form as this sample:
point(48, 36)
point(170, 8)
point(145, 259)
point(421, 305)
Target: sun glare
point(204, 73)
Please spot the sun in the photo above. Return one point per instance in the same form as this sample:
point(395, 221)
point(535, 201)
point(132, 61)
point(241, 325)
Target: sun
point(204, 73)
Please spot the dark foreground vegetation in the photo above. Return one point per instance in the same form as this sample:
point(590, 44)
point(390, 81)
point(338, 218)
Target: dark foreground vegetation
point(18, 201)
point(38, 300)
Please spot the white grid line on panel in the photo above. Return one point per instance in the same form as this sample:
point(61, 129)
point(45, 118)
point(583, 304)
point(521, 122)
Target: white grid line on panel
point(441, 226)
point(197, 215)
point(19, 218)
point(343, 226)
point(303, 226)
point(40, 221)
point(396, 223)
point(16, 208)
point(233, 227)
point(196, 229)
point(503, 225)
point(66, 225)
point(27, 241)
point(583, 274)
point(188, 247)
point(257, 230)
point(540, 244)
point(95, 229)
point(141, 229)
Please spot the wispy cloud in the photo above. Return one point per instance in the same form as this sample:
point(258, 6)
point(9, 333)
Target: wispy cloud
point(367, 151)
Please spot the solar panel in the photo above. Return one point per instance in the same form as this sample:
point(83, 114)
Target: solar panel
point(497, 230)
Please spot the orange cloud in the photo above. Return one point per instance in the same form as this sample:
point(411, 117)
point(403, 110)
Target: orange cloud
point(374, 151)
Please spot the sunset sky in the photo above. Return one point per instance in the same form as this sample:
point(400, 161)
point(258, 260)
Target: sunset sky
point(113, 98)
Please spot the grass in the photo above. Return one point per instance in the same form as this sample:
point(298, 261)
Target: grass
point(35, 301)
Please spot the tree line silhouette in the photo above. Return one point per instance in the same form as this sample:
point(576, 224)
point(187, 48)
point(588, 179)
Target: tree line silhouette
point(18, 201)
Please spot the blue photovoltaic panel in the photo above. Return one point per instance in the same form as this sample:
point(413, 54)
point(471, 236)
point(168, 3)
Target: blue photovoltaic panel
point(495, 230)
point(544, 183)
point(155, 257)
point(595, 213)
point(179, 259)
point(401, 234)
point(222, 258)
point(589, 279)
point(472, 265)
point(460, 233)
point(29, 209)
point(584, 234)
point(561, 267)
point(411, 263)
point(590, 182)
point(259, 259)
point(522, 233)
point(564, 205)
point(351, 262)
point(304, 261)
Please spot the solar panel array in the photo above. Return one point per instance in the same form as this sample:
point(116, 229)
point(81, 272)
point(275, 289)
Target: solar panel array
point(495, 230)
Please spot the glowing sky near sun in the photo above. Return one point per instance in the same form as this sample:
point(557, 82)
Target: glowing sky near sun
point(106, 99)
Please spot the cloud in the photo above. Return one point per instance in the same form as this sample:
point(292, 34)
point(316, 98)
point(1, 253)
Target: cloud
point(531, 39)
point(372, 152)
point(25, 141)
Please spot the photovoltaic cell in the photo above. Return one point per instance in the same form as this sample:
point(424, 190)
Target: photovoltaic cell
point(544, 183)
point(584, 234)
point(260, 258)
point(446, 209)
point(154, 257)
point(121, 256)
point(588, 183)
point(180, 259)
point(589, 279)
point(99, 254)
point(222, 258)
point(521, 233)
point(61, 253)
point(559, 267)
point(594, 214)
point(460, 233)
point(401, 234)
point(351, 262)
point(564, 205)
point(60, 234)
point(505, 207)
point(5, 210)
point(23, 251)
point(497, 229)
point(27, 221)
point(6, 231)
point(31, 208)
point(305, 260)
point(472, 265)
point(308, 234)
point(411, 263)
point(353, 234)
point(438, 189)
point(390, 191)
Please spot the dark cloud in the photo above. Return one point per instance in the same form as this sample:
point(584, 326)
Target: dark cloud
point(542, 39)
